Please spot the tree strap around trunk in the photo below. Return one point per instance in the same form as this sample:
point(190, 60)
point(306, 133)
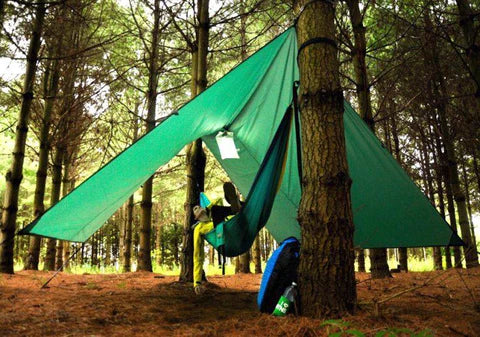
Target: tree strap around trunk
point(316, 40)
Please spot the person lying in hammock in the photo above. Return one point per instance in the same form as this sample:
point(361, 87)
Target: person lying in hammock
point(208, 218)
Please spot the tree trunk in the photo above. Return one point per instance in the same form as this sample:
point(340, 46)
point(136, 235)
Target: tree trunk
point(476, 169)
point(196, 159)
point(257, 256)
point(52, 74)
point(403, 258)
point(440, 93)
point(441, 201)
point(108, 244)
point(94, 240)
point(451, 215)
point(160, 246)
point(244, 263)
point(469, 206)
point(54, 197)
point(244, 259)
point(66, 188)
point(470, 32)
point(176, 257)
point(361, 260)
point(380, 270)
point(127, 221)
point(144, 254)
point(437, 253)
point(267, 244)
point(402, 251)
point(326, 270)
point(126, 249)
point(15, 173)
point(470, 250)
point(379, 265)
point(2, 16)
point(60, 255)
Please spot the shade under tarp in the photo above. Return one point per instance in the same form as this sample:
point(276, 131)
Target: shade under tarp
point(250, 101)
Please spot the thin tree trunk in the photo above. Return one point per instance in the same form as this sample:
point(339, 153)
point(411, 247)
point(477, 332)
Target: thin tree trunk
point(441, 200)
point(451, 215)
point(196, 159)
point(362, 85)
point(127, 222)
point(257, 255)
point(144, 255)
point(402, 251)
point(94, 256)
point(54, 197)
point(470, 251)
point(469, 206)
point(126, 248)
point(244, 259)
point(470, 32)
point(52, 74)
point(59, 258)
point(175, 245)
point(244, 263)
point(326, 270)
point(186, 266)
point(108, 244)
point(437, 253)
point(476, 170)
point(378, 257)
point(15, 173)
point(2, 15)
point(160, 246)
point(66, 188)
point(361, 260)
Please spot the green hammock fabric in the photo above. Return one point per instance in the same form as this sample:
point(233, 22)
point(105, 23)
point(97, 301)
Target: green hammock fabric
point(236, 235)
point(251, 100)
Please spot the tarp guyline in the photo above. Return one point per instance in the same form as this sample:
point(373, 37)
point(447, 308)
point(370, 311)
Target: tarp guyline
point(389, 210)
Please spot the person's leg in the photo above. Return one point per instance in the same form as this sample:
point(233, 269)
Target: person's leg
point(198, 251)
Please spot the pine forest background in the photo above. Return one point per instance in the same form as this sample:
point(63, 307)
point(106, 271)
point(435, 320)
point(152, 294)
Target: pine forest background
point(94, 75)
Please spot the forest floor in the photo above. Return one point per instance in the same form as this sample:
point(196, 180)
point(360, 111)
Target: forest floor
point(144, 304)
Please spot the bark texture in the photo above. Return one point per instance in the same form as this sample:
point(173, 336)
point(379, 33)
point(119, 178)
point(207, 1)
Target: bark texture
point(52, 74)
point(326, 271)
point(127, 223)
point(67, 186)
point(244, 259)
point(54, 197)
point(257, 256)
point(14, 175)
point(144, 254)
point(126, 247)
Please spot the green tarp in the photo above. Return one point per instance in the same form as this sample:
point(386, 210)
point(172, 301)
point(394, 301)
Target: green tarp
point(389, 209)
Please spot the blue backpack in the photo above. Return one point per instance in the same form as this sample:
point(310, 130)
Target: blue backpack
point(280, 272)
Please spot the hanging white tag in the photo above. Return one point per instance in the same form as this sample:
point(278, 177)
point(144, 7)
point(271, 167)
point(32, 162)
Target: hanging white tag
point(226, 145)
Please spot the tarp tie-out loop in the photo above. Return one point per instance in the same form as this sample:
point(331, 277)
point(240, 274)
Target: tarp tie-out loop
point(304, 7)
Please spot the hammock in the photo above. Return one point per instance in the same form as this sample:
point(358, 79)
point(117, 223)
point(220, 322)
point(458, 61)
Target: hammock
point(236, 235)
